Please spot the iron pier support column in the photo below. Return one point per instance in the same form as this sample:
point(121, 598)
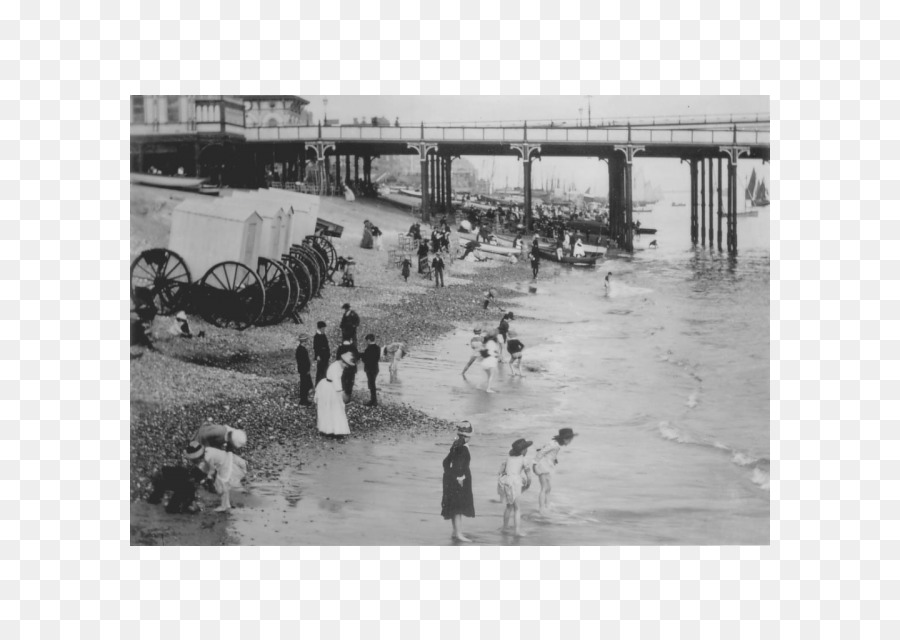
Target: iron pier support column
point(356, 166)
point(693, 165)
point(629, 150)
point(423, 149)
point(526, 151)
point(703, 201)
point(720, 212)
point(734, 152)
point(449, 183)
point(347, 167)
point(711, 207)
point(337, 171)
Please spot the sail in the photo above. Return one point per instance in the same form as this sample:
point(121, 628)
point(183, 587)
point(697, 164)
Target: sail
point(762, 195)
point(751, 186)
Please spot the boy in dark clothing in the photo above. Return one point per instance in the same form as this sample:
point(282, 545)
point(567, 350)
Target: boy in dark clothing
point(349, 323)
point(321, 350)
point(370, 358)
point(405, 266)
point(535, 260)
point(515, 348)
point(303, 368)
point(438, 266)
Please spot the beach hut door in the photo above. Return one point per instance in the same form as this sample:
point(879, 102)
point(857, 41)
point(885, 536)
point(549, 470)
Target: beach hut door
point(249, 242)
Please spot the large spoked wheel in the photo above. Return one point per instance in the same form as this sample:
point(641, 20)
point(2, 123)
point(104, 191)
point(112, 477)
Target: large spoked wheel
point(302, 255)
point(324, 247)
point(293, 301)
point(160, 277)
point(231, 296)
point(304, 281)
point(278, 291)
point(313, 258)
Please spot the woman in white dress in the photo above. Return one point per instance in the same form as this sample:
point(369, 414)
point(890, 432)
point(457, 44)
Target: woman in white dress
point(578, 251)
point(331, 416)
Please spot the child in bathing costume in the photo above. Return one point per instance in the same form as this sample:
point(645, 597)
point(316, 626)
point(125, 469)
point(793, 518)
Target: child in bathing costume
point(514, 478)
point(545, 463)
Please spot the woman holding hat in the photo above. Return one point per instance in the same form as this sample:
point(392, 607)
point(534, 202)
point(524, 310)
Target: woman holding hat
point(515, 477)
point(457, 500)
point(545, 463)
point(226, 470)
point(331, 416)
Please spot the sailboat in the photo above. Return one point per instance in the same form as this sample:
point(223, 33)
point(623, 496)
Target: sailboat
point(761, 198)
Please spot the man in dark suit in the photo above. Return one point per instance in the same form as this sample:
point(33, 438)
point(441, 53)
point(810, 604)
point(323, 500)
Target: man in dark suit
point(348, 376)
point(303, 368)
point(370, 358)
point(349, 323)
point(437, 266)
point(321, 350)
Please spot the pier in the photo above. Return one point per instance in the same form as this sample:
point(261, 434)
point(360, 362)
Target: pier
point(222, 145)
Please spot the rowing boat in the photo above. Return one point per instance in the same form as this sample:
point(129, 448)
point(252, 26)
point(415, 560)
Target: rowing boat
point(168, 182)
point(575, 262)
point(489, 248)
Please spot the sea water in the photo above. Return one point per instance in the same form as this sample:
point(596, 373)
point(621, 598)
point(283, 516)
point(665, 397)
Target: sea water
point(665, 379)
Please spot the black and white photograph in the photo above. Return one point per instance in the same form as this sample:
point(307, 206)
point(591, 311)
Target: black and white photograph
point(449, 320)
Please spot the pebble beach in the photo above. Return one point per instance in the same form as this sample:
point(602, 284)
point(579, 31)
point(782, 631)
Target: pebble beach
point(248, 379)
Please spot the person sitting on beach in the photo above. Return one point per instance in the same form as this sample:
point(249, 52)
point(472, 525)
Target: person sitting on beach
point(514, 478)
point(225, 469)
point(182, 482)
point(476, 343)
point(578, 250)
point(545, 461)
point(515, 349)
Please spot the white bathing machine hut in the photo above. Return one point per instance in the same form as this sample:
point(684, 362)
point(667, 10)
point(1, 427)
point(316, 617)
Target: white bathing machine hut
point(220, 238)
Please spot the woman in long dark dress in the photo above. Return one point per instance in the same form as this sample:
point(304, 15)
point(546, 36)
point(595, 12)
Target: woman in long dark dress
point(457, 500)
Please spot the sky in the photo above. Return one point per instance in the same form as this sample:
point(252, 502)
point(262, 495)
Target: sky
point(670, 175)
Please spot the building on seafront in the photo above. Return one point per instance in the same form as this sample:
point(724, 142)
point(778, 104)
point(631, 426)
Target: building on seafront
point(205, 135)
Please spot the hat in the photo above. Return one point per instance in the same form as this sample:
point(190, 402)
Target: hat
point(348, 357)
point(464, 428)
point(346, 305)
point(181, 315)
point(566, 433)
point(303, 337)
point(321, 324)
point(519, 446)
point(238, 438)
point(477, 330)
point(194, 451)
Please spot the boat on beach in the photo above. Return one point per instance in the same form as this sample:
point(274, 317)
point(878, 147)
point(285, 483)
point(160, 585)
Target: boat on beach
point(168, 182)
point(587, 261)
point(488, 248)
point(648, 231)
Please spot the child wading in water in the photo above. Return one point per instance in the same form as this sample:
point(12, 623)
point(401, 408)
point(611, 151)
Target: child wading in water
point(226, 470)
point(545, 463)
point(405, 267)
point(515, 477)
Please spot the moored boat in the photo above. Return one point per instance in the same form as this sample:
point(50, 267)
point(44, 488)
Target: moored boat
point(488, 248)
point(649, 231)
point(168, 182)
point(587, 261)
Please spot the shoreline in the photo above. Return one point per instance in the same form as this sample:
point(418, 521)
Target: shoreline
point(253, 375)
